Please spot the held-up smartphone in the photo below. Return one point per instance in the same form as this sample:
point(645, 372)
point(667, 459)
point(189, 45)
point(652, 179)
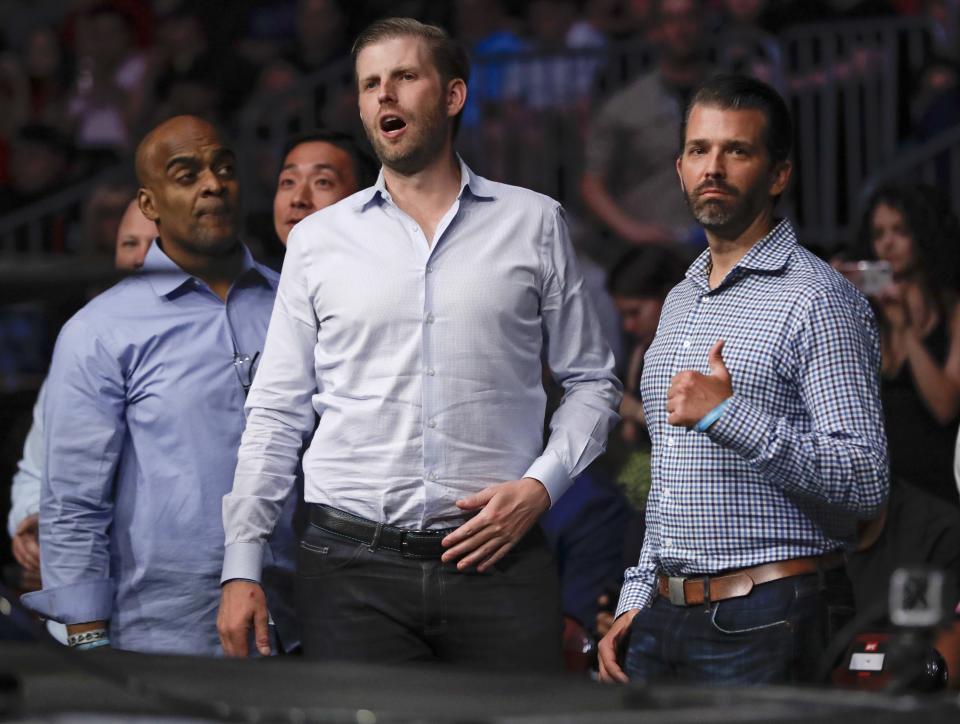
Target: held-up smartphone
point(870, 277)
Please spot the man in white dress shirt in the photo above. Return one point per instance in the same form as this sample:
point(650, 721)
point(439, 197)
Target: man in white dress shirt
point(412, 318)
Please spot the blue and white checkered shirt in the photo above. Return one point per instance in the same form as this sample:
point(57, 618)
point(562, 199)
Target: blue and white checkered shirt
point(799, 454)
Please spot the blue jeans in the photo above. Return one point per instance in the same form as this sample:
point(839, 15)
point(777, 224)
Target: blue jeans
point(773, 635)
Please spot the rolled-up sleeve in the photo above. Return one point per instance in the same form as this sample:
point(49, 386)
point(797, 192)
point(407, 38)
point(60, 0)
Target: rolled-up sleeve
point(280, 416)
point(580, 361)
point(84, 432)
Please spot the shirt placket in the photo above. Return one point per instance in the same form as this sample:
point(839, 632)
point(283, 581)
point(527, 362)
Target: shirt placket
point(431, 367)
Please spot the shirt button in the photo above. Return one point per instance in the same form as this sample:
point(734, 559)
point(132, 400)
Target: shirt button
point(667, 542)
point(669, 442)
point(431, 372)
point(416, 229)
point(432, 477)
point(666, 492)
point(430, 319)
point(432, 423)
point(429, 270)
point(686, 343)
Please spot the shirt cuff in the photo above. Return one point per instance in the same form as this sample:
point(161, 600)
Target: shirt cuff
point(634, 594)
point(554, 477)
point(243, 559)
point(75, 603)
point(741, 428)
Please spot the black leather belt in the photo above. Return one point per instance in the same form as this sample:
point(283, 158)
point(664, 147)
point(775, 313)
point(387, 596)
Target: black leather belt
point(408, 543)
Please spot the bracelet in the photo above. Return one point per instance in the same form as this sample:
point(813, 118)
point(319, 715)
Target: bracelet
point(711, 417)
point(92, 645)
point(87, 637)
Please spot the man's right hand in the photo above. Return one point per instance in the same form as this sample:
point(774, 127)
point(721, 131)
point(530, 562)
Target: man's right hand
point(610, 671)
point(242, 605)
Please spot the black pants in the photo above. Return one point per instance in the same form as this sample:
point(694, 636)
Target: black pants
point(358, 604)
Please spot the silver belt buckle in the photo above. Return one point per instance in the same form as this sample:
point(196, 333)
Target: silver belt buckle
point(675, 589)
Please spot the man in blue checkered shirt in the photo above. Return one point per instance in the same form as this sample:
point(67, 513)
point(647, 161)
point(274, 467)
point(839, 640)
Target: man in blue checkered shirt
point(761, 395)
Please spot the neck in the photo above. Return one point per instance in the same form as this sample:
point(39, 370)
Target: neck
point(430, 190)
point(216, 271)
point(728, 246)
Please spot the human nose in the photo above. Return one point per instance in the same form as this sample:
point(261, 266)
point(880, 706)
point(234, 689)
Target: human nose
point(387, 92)
point(302, 197)
point(212, 183)
point(714, 167)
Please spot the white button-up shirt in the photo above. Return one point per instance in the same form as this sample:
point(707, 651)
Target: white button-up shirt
point(423, 363)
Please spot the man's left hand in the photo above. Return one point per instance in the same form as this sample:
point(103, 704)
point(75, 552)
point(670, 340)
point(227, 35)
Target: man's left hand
point(692, 395)
point(509, 510)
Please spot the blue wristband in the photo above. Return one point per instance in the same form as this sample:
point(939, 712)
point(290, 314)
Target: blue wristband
point(91, 645)
point(711, 417)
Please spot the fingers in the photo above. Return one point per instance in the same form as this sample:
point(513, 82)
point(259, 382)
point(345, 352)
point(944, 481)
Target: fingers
point(26, 552)
point(29, 526)
point(473, 544)
point(261, 630)
point(500, 553)
point(461, 534)
point(242, 605)
point(478, 500)
point(610, 671)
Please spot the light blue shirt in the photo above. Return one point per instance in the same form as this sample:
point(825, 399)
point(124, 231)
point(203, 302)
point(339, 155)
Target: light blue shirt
point(799, 454)
point(423, 362)
point(143, 416)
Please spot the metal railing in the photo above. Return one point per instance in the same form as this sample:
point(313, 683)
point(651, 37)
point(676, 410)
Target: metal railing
point(843, 82)
point(936, 163)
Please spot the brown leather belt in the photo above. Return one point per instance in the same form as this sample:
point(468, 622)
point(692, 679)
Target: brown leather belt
point(734, 584)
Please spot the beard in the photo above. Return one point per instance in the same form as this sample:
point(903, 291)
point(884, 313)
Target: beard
point(719, 214)
point(424, 140)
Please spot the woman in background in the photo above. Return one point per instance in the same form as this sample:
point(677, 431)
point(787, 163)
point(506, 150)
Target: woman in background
point(913, 229)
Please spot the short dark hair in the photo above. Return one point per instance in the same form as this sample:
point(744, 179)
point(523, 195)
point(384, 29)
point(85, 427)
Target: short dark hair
point(732, 91)
point(650, 271)
point(449, 56)
point(365, 169)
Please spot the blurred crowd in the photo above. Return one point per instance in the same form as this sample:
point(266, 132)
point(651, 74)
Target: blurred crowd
point(80, 81)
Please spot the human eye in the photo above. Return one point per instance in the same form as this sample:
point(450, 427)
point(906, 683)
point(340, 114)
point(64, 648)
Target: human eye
point(185, 177)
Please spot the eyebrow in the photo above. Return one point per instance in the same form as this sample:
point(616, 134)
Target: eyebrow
point(191, 160)
point(181, 161)
point(313, 167)
point(721, 142)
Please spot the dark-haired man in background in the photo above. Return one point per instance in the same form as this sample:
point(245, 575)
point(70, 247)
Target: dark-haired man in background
point(761, 397)
point(319, 168)
point(413, 317)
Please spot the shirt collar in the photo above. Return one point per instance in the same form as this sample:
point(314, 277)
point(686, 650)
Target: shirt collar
point(770, 254)
point(478, 186)
point(166, 277)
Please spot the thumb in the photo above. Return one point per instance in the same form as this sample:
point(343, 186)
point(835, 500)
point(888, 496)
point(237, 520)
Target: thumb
point(715, 360)
point(477, 500)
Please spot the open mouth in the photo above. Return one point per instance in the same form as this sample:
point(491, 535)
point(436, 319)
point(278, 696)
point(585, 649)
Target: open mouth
point(392, 125)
